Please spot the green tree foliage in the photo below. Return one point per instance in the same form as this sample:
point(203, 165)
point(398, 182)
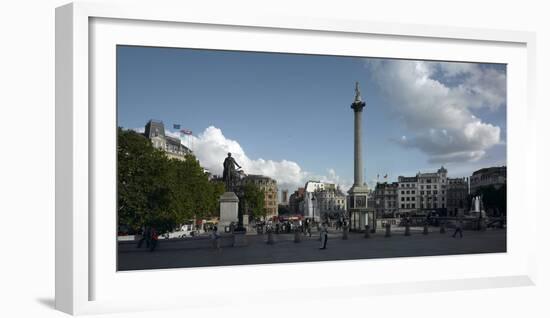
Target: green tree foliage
point(142, 190)
point(254, 198)
point(193, 196)
point(493, 199)
point(157, 191)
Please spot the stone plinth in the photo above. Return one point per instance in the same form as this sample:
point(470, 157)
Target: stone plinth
point(229, 210)
point(357, 207)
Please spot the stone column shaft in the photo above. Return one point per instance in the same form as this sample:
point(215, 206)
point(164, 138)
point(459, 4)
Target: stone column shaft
point(358, 162)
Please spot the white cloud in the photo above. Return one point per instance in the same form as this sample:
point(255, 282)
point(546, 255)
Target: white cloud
point(435, 102)
point(211, 147)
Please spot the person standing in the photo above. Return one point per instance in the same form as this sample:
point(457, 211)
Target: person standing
point(324, 237)
point(458, 228)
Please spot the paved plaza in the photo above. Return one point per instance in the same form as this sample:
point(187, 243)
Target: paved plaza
point(286, 251)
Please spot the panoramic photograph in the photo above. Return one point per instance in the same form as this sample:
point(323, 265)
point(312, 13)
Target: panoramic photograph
point(239, 158)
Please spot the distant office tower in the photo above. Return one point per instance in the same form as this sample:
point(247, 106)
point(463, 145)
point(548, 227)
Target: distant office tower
point(284, 196)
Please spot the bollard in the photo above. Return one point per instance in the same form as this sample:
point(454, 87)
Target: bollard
point(425, 232)
point(388, 230)
point(442, 228)
point(367, 231)
point(482, 225)
point(345, 232)
point(216, 243)
point(270, 239)
point(407, 229)
point(297, 237)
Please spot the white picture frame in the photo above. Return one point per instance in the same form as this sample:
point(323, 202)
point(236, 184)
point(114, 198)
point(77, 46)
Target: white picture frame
point(85, 280)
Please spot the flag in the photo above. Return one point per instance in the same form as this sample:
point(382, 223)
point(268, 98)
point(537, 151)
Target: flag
point(378, 176)
point(177, 126)
point(186, 132)
point(386, 176)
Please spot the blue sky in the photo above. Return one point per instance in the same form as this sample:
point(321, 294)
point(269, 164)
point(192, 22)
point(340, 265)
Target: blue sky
point(288, 115)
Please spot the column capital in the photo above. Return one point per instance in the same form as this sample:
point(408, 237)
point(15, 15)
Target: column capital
point(358, 106)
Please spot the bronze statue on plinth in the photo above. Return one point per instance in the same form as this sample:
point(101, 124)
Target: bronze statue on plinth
point(229, 172)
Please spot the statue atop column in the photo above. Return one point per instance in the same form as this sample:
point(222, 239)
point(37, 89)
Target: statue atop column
point(229, 172)
point(357, 93)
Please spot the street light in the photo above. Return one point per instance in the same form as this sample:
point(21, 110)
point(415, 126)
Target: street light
point(313, 206)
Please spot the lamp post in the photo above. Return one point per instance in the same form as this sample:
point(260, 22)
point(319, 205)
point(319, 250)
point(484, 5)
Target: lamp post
point(313, 199)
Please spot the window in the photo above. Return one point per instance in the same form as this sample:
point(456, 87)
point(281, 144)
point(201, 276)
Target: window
point(402, 206)
point(421, 192)
point(402, 198)
point(402, 192)
point(408, 192)
point(413, 191)
point(408, 199)
point(413, 206)
point(428, 187)
point(413, 199)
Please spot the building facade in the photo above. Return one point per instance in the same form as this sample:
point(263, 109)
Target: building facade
point(457, 196)
point(269, 187)
point(295, 201)
point(493, 176)
point(154, 131)
point(432, 189)
point(311, 207)
point(385, 199)
point(331, 202)
point(407, 194)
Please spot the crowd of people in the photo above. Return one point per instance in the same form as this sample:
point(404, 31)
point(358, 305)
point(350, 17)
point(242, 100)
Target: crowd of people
point(150, 236)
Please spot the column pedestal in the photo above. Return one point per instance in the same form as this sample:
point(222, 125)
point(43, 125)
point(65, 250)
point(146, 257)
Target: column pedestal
point(229, 210)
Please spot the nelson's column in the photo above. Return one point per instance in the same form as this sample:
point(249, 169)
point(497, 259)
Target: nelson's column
point(357, 204)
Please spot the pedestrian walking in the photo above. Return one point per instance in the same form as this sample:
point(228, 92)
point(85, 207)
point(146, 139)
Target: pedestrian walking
point(324, 237)
point(145, 237)
point(154, 239)
point(215, 236)
point(458, 228)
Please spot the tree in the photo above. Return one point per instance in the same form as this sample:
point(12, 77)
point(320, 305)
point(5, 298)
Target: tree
point(255, 200)
point(143, 193)
point(193, 195)
point(494, 199)
point(158, 191)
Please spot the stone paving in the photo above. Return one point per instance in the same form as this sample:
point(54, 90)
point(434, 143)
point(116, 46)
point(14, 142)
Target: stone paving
point(286, 251)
